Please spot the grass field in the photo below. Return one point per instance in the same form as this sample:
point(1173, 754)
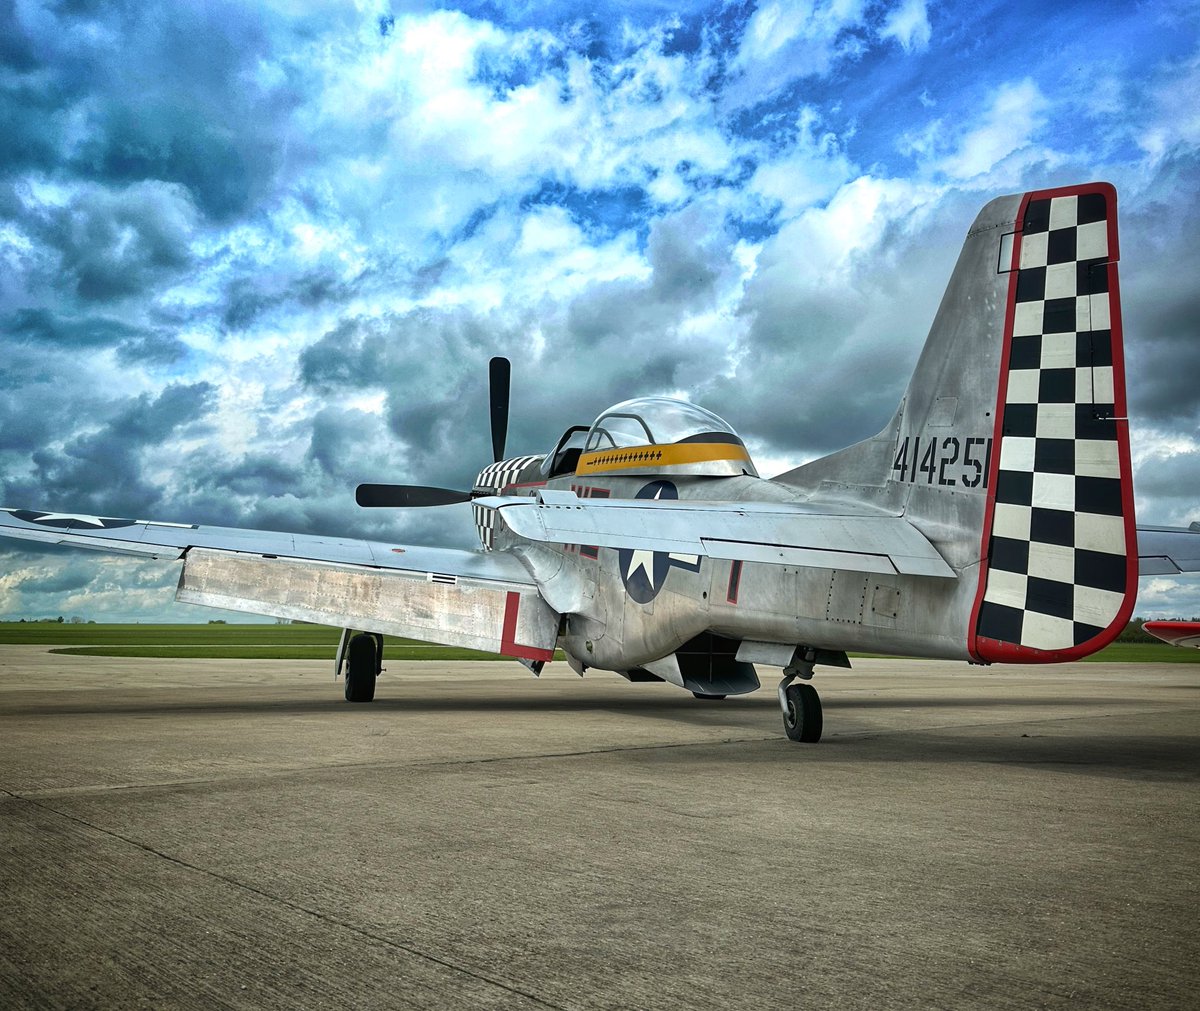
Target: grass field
point(219, 642)
point(319, 642)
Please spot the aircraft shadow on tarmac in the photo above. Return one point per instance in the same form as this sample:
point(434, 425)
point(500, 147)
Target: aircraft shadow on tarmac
point(682, 706)
point(1087, 745)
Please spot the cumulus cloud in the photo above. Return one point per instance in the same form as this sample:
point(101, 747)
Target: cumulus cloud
point(251, 256)
point(783, 42)
point(1174, 124)
point(1006, 129)
point(908, 24)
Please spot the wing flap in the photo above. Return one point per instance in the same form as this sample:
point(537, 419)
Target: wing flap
point(495, 616)
point(762, 532)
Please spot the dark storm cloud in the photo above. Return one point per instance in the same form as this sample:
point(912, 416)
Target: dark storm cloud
point(250, 299)
point(432, 366)
point(44, 327)
point(21, 427)
point(118, 243)
point(31, 123)
point(689, 253)
point(146, 349)
point(183, 147)
point(105, 471)
point(337, 444)
point(170, 94)
point(1164, 352)
point(47, 394)
point(134, 345)
point(687, 256)
point(259, 474)
point(66, 580)
point(1175, 479)
point(1160, 302)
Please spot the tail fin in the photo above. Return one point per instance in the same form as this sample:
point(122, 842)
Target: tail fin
point(1059, 536)
point(1010, 449)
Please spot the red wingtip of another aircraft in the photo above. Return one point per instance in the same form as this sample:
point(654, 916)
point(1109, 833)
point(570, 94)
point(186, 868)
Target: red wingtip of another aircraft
point(1177, 633)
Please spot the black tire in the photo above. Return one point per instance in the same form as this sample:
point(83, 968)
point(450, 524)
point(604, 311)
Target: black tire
point(802, 721)
point(362, 664)
point(705, 697)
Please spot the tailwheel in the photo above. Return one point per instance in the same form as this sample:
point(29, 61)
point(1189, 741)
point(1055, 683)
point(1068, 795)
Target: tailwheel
point(362, 667)
point(802, 713)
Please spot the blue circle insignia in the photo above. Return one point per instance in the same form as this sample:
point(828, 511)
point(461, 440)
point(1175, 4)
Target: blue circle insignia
point(643, 571)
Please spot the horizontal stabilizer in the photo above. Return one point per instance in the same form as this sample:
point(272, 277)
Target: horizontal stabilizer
point(1177, 633)
point(1168, 551)
point(775, 532)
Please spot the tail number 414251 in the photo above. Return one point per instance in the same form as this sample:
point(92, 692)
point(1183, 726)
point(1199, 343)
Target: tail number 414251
point(947, 461)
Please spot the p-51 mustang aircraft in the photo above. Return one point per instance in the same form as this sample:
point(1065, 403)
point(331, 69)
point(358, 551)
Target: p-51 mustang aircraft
point(991, 520)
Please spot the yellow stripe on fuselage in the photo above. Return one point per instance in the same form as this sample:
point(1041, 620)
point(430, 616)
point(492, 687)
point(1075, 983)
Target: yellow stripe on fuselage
point(655, 457)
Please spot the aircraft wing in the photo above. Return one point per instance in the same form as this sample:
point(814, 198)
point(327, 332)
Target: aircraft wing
point(783, 533)
point(1168, 551)
point(460, 598)
point(1177, 633)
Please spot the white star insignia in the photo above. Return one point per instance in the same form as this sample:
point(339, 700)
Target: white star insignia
point(63, 517)
point(644, 560)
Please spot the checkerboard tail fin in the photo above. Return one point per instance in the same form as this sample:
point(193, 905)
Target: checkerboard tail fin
point(1010, 448)
point(1058, 571)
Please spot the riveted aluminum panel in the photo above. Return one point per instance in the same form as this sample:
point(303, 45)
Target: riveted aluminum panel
point(500, 617)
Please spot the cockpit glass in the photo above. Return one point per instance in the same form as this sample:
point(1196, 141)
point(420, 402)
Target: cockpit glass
point(652, 421)
point(565, 456)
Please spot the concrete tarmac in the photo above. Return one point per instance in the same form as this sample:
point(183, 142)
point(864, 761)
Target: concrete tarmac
point(229, 834)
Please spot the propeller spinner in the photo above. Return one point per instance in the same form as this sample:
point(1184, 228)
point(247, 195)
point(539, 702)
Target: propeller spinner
point(413, 495)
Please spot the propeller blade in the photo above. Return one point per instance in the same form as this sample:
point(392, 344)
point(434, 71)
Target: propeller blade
point(499, 373)
point(407, 496)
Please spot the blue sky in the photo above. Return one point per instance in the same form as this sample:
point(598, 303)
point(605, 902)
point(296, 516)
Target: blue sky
point(254, 254)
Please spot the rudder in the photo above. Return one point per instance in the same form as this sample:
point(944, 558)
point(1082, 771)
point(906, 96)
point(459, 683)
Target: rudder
point(1059, 571)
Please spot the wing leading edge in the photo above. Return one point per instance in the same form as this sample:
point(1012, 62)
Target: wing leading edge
point(459, 598)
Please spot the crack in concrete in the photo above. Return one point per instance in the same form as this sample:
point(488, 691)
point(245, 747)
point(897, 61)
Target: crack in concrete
point(287, 903)
point(100, 788)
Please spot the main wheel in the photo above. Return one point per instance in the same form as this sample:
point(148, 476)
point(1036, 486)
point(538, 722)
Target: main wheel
point(362, 664)
point(802, 721)
point(705, 697)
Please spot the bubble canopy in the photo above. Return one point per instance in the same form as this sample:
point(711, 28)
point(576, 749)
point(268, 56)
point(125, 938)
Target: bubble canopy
point(655, 421)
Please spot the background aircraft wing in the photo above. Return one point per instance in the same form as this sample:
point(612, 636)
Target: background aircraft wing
point(1168, 551)
point(460, 598)
point(779, 532)
point(1177, 633)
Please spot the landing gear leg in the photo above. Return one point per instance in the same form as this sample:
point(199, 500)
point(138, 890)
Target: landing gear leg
point(800, 703)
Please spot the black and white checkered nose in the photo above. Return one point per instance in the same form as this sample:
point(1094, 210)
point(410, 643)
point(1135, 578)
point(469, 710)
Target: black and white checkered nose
point(501, 478)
